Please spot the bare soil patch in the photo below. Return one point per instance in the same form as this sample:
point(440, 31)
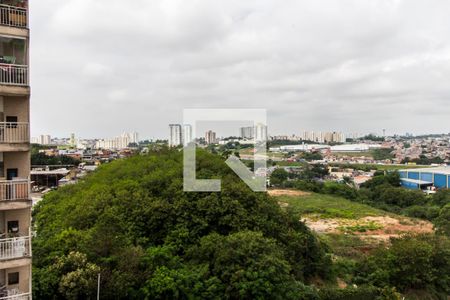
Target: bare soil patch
point(280, 192)
point(388, 226)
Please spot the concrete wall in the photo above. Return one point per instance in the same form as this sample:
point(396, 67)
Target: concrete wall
point(22, 215)
point(24, 277)
point(19, 160)
point(16, 106)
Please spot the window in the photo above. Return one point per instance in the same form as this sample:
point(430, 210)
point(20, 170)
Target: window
point(12, 51)
point(13, 226)
point(11, 122)
point(13, 278)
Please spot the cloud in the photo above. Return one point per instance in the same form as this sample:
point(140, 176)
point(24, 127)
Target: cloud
point(350, 65)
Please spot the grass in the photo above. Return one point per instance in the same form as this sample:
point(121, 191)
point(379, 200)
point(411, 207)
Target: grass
point(328, 207)
point(347, 245)
point(246, 151)
point(370, 226)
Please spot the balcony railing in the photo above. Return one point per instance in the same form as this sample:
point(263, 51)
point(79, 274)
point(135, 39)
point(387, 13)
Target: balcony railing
point(13, 190)
point(16, 295)
point(15, 248)
point(14, 132)
point(13, 16)
point(13, 74)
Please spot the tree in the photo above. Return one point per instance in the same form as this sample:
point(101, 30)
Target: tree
point(411, 262)
point(311, 156)
point(382, 154)
point(442, 222)
point(71, 276)
point(41, 159)
point(390, 178)
point(150, 239)
point(441, 198)
point(278, 177)
point(247, 264)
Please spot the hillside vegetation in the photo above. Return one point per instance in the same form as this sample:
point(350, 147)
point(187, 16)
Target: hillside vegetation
point(132, 222)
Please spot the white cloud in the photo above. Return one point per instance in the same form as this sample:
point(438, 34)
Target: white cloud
point(338, 65)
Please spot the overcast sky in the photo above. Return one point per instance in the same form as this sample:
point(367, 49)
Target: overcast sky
point(101, 67)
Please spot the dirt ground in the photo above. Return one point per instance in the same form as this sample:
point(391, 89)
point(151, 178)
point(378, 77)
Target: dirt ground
point(276, 192)
point(390, 227)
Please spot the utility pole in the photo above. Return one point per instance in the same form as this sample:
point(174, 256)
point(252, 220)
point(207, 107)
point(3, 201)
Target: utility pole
point(98, 287)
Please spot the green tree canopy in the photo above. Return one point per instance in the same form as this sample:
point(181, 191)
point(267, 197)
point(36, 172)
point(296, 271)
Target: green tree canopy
point(149, 239)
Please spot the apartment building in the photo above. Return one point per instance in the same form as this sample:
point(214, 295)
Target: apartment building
point(187, 134)
point(210, 137)
point(175, 135)
point(257, 132)
point(15, 201)
point(120, 142)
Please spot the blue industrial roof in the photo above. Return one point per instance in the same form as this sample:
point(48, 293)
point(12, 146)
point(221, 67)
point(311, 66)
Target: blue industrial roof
point(440, 170)
point(415, 181)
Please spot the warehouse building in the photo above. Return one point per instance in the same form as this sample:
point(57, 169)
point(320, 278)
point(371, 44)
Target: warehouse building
point(426, 177)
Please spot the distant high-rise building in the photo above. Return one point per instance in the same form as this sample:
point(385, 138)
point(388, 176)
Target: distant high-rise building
point(210, 137)
point(247, 132)
point(175, 135)
point(72, 140)
point(120, 142)
point(45, 139)
point(15, 198)
point(135, 137)
point(260, 133)
point(257, 132)
point(187, 134)
point(323, 137)
point(42, 139)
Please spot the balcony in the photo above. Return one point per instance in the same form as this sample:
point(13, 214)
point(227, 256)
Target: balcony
point(13, 16)
point(14, 133)
point(14, 190)
point(11, 74)
point(13, 248)
point(15, 294)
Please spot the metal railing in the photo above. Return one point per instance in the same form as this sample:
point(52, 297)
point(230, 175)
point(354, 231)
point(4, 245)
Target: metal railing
point(18, 296)
point(13, 74)
point(17, 247)
point(14, 132)
point(13, 190)
point(13, 16)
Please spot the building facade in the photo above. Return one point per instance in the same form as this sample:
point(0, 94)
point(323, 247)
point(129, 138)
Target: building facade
point(175, 135)
point(247, 132)
point(15, 200)
point(120, 142)
point(187, 134)
point(260, 133)
point(257, 132)
point(438, 178)
point(210, 137)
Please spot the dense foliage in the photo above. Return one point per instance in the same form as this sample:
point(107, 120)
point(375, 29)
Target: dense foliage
point(309, 156)
point(424, 160)
point(41, 159)
point(410, 263)
point(382, 153)
point(132, 222)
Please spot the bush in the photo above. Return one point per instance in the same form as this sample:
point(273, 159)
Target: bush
point(411, 262)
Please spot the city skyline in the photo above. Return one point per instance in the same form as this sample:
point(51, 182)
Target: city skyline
point(312, 71)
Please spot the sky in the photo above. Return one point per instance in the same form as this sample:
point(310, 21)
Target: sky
point(103, 67)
